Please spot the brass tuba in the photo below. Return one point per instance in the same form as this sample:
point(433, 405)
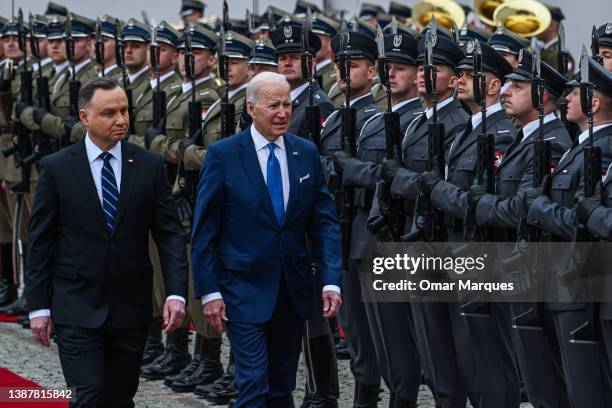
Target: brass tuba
point(446, 12)
point(485, 9)
point(527, 18)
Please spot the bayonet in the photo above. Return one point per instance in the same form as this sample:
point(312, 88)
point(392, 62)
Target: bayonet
point(394, 25)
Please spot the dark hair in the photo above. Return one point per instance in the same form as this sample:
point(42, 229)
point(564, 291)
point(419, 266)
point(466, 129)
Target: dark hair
point(86, 93)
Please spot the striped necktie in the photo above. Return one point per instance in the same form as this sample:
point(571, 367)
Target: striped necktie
point(275, 184)
point(110, 193)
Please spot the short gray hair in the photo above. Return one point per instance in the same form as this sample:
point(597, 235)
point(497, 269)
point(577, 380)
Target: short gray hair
point(86, 93)
point(263, 80)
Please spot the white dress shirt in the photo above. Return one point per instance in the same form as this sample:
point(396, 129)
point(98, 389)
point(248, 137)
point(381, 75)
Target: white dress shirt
point(135, 76)
point(429, 111)
point(95, 164)
point(323, 64)
point(107, 69)
point(477, 117)
point(263, 153)
point(187, 85)
point(531, 127)
point(162, 78)
point(397, 106)
point(584, 136)
point(297, 91)
point(232, 92)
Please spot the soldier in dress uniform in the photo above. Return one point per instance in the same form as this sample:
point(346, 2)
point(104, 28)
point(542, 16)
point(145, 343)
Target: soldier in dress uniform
point(391, 323)
point(263, 58)
point(369, 13)
point(107, 30)
point(604, 42)
point(192, 10)
point(401, 11)
point(536, 350)
point(549, 39)
point(352, 317)
point(322, 389)
point(439, 359)
point(490, 352)
point(238, 48)
point(588, 385)
point(508, 45)
point(325, 28)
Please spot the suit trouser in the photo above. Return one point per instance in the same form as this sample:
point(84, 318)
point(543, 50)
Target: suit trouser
point(539, 359)
point(393, 333)
point(354, 322)
point(606, 344)
point(102, 364)
point(583, 365)
point(266, 355)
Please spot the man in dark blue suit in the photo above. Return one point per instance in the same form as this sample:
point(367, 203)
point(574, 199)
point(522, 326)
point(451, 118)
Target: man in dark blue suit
point(262, 203)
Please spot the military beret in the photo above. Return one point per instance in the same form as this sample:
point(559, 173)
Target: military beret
point(554, 81)
point(492, 61)
point(504, 40)
point(263, 52)
point(359, 45)
point(287, 37)
point(136, 31)
point(445, 51)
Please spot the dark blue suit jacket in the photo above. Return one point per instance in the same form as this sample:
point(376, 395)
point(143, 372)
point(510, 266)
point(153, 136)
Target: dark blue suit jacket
point(239, 248)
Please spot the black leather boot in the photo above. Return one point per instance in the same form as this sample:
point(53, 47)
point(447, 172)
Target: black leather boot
point(8, 287)
point(8, 292)
point(191, 367)
point(208, 371)
point(154, 346)
point(323, 368)
point(399, 402)
point(213, 388)
point(176, 356)
point(17, 308)
point(366, 396)
point(342, 352)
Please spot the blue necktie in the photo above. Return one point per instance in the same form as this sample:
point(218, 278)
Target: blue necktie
point(275, 184)
point(110, 193)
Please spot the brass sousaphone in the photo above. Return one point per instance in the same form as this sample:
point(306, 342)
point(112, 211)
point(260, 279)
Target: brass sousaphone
point(446, 12)
point(527, 18)
point(485, 9)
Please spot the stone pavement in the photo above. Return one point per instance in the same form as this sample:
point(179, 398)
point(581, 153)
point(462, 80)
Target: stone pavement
point(22, 355)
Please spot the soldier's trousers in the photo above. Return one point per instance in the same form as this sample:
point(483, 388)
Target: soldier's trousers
point(6, 227)
point(585, 374)
point(354, 322)
point(606, 344)
point(393, 333)
point(539, 359)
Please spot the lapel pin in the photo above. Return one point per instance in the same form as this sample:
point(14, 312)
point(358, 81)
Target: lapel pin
point(130, 161)
point(295, 153)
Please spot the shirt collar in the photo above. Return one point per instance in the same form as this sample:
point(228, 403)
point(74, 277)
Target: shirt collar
point(94, 152)
point(187, 85)
point(354, 100)
point(260, 141)
point(429, 112)
point(107, 70)
point(134, 77)
point(477, 118)
point(60, 67)
point(80, 66)
point(297, 91)
point(43, 62)
point(584, 136)
point(161, 79)
point(398, 106)
point(323, 64)
point(531, 127)
point(231, 93)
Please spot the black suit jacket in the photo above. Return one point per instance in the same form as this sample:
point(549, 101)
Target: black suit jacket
point(81, 271)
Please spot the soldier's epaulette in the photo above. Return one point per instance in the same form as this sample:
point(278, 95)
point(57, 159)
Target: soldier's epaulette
point(204, 93)
point(369, 110)
point(176, 86)
point(503, 131)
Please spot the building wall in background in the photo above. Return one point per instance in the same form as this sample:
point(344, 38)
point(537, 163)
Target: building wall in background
point(581, 15)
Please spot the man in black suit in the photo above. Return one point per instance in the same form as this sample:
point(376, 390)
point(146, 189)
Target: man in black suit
point(88, 268)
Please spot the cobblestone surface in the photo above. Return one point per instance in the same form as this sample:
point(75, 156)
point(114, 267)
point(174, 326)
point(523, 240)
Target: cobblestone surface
point(22, 355)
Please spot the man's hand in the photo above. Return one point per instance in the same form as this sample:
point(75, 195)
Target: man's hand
point(151, 134)
point(586, 205)
point(20, 107)
point(340, 158)
point(196, 138)
point(534, 192)
point(389, 169)
point(428, 180)
point(38, 115)
point(174, 312)
point(41, 329)
point(215, 314)
point(477, 191)
point(331, 303)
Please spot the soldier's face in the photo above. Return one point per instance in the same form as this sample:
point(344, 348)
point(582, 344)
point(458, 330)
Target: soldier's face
point(109, 49)
point(82, 49)
point(518, 99)
point(290, 65)
point(135, 54)
point(106, 117)
point(402, 77)
point(446, 80)
point(362, 74)
point(465, 88)
point(11, 48)
point(203, 59)
point(1, 49)
point(167, 58)
point(57, 51)
point(272, 112)
point(606, 54)
point(574, 110)
point(42, 47)
point(238, 72)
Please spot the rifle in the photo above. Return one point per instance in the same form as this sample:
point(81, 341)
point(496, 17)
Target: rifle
point(587, 332)
point(391, 208)
point(562, 60)
point(432, 229)
point(74, 86)
point(120, 61)
point(99, 47)
point(41, 143)
point(313, 112)
point(348, 143)
point(159, 96)
point(485, 173)
point(22, 144)
point(527, 235)
point(228, 110)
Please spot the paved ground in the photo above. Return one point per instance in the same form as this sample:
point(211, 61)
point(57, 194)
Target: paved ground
point(23, 356)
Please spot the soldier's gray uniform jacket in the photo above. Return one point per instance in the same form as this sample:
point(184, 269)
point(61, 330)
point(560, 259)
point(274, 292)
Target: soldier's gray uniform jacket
point(363, 171)
point(414, 148)
point(450, 195)
point(299, 104)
